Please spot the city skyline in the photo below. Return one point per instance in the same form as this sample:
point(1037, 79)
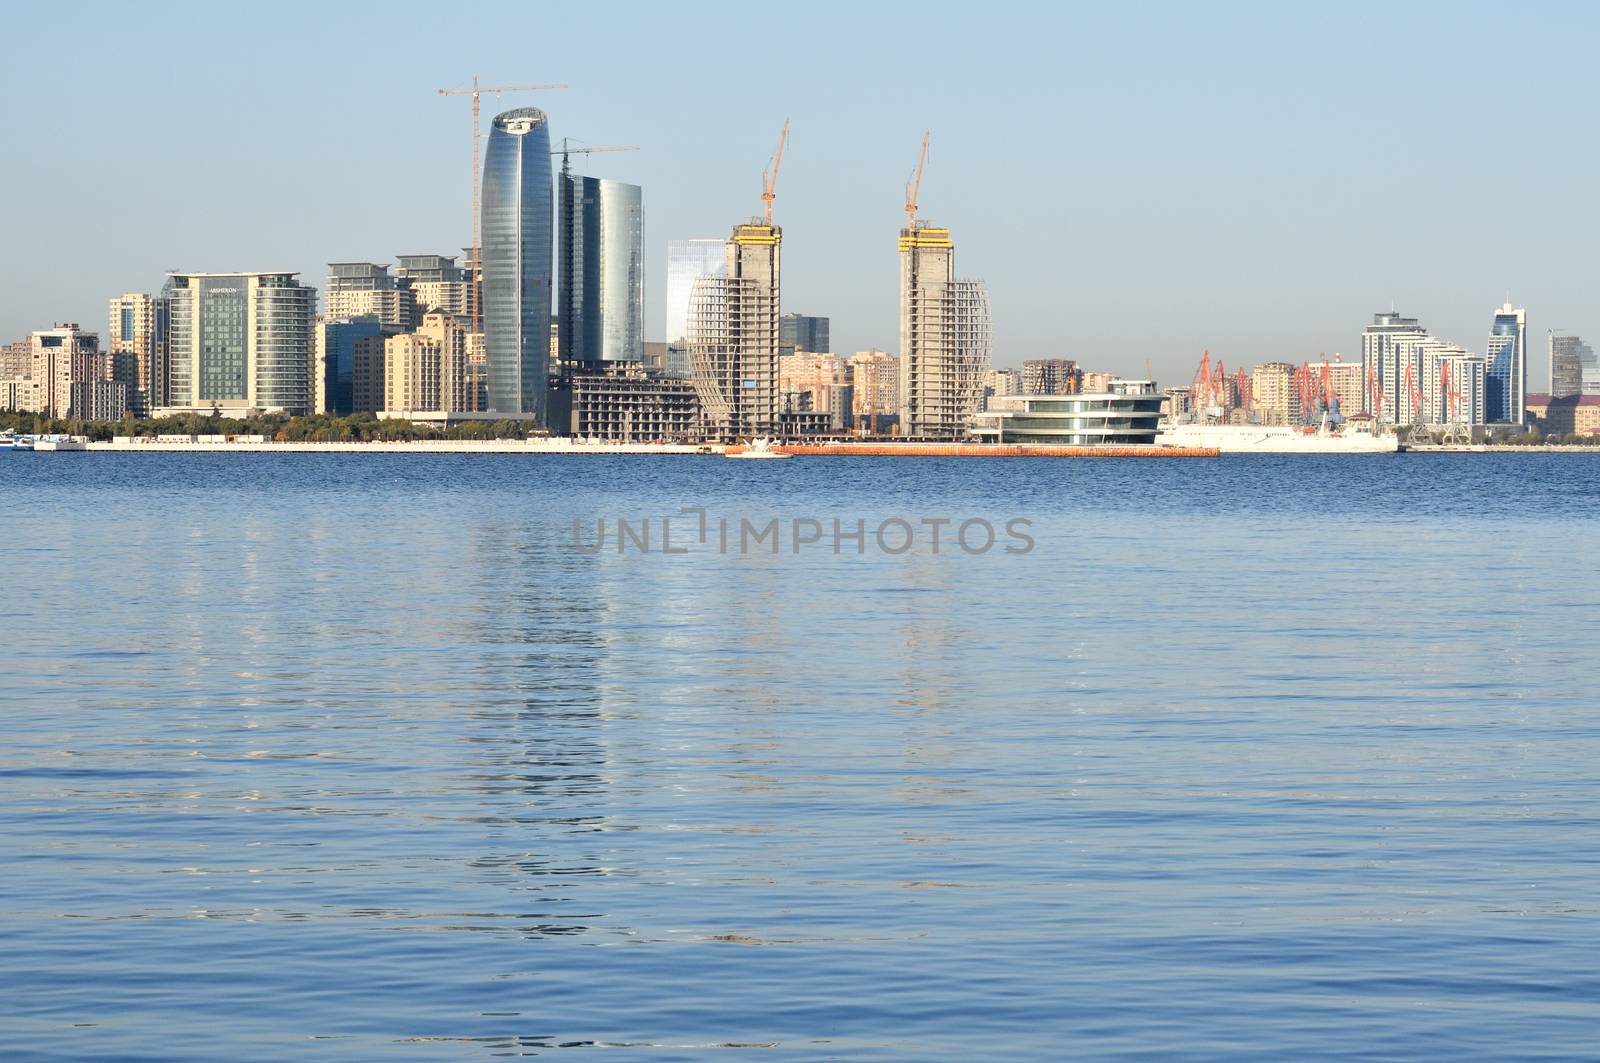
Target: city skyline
point(1262, 238)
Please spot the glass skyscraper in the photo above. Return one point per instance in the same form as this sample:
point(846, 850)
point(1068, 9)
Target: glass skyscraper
point(801, 332)
point(601, 266)
point(517, 236)
point(1506, 386)
point(241, 340)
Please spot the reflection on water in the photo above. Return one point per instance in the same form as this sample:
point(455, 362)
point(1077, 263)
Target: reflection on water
point(1248, 758)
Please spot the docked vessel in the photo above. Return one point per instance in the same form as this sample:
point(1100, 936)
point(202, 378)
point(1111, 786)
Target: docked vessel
point(1279, 439)
point(758, 448)
point(13, 441)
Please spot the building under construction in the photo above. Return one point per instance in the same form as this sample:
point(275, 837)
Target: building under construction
point(627, 403)
point(733, 327)
point(944, 330)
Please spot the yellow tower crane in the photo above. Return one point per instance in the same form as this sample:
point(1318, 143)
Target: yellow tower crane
point(476, 251)
point(566, 162)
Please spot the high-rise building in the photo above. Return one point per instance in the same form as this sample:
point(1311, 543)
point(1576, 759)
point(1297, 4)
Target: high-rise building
point(799, 332)
point(944, 337)
point(138, 349)
point(368, 372)
point(426, 371)
point(366, 289)
point(1002, 382)
point(1574, 369)
point(1507, 355)
point(1382, 391)
point(241, 341)
point(517, 235)
point(73, 378)
point(437, 283)
point(1273, 393)
point(1051, 376)
point(601, 266)
point(733, 335)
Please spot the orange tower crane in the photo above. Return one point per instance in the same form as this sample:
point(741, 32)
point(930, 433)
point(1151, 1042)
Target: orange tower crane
point(475, 91)
point(769, 176)
point(914, 186)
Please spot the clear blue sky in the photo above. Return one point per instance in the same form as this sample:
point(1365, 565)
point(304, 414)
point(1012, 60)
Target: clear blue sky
point(1253, 178)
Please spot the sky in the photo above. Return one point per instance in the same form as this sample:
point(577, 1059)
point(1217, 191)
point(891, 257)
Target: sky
point(1135, 183)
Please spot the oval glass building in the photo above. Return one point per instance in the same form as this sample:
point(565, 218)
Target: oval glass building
point(517, 222)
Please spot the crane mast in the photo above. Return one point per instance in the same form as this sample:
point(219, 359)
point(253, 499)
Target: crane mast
point(914, 186)
point(769, 176)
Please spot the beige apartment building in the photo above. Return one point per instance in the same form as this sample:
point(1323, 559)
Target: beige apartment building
point(1273, 394)
point(824, 377)
point(875, 379)
point(426, 371)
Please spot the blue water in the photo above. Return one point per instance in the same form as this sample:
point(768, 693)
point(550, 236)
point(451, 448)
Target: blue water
point(357, 757)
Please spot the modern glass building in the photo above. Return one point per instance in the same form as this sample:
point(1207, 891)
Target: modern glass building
point(687, 261)
point(1128, 414)
point(517, 237)
point(601, 266)
point(1506, 388)
point(240, 341)
point(800, 332)
point(339, 337)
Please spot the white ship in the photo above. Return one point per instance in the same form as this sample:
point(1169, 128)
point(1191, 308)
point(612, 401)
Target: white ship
point(1280, 439)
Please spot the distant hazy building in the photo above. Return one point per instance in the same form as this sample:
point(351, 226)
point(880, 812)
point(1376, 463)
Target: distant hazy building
point(1564, 415)
point(240, 341)
point(800, 332)
point(137, 343)
point(517, 237)
point(733, 335)
point(1097, 380)
point(944, 337)
point(1274, 395)
point(1507, 357)
point(16, 359)
point(1346, 381)
point(1574, 369)
point(824, 379)
point(875, 389)
point(366, 289)
point(1001, 382)
point(600, 262)
point(1051, 376)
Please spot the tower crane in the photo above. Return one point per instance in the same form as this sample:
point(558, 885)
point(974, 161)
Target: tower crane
point(914, 186)
point(769, 176)
point(566, 151)
point(475, 91)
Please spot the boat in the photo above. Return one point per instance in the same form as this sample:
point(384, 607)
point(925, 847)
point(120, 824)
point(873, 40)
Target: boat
point(758, 448)
point(14, 441)
point(1350, 437)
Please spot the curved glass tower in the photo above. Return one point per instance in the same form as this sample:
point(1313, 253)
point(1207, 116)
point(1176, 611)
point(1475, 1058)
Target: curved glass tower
point(517, 222)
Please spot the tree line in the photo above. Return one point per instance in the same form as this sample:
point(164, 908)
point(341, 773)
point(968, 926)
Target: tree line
point(317, 428)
